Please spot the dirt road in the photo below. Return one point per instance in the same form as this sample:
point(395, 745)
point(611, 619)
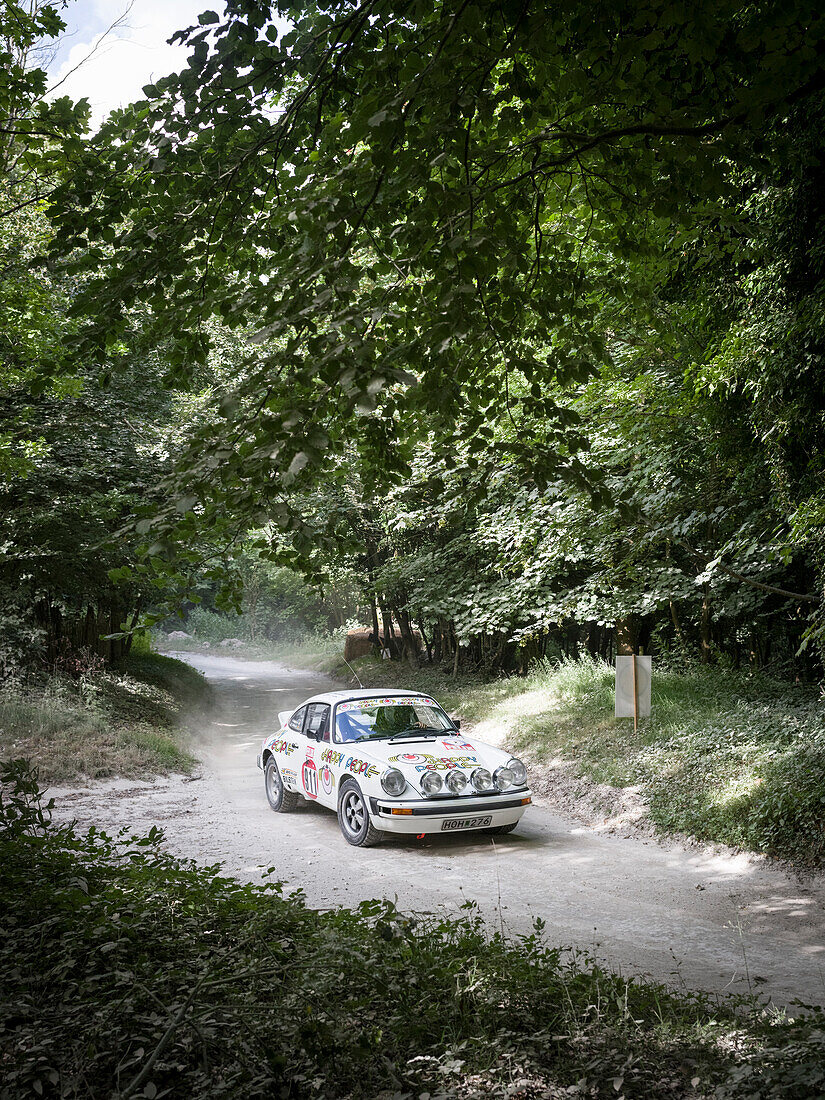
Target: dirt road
point(687, 917)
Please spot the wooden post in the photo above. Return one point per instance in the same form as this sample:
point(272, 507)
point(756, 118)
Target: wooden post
point(635, 698)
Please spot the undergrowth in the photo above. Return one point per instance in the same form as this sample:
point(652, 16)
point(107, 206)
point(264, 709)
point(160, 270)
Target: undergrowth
point(126, 721)
point(130, 973)
point(735, 758)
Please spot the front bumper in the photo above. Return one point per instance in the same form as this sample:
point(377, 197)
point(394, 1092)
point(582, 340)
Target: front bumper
point(429, 815)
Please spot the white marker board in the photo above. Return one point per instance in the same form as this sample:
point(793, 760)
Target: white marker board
point(624, 687)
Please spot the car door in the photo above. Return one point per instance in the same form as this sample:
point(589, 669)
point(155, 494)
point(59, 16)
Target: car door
point(294, 750)
point(316, 778)
point(311, 745)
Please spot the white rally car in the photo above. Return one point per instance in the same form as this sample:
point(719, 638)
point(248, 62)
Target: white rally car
point(390, 761)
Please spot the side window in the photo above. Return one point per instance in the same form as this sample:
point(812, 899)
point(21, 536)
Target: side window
point(296, 722)
point(318, 722)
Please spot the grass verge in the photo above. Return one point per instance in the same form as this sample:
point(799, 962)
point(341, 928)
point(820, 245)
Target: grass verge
point(734, 758)
point(128, 972)
point(129, 721)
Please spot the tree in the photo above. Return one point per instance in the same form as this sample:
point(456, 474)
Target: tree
point(409, 217)
point(437, 220)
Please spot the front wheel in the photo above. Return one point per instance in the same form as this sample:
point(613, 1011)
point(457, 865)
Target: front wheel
point(354, 817)
point(280, 799)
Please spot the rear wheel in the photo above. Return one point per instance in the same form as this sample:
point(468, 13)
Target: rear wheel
point(280, 799)
point(497, 830)
point(354, 817)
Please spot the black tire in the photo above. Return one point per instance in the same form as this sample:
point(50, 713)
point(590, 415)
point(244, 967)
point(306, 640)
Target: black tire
point(354, 817)
point(279, 798)
point(497, 830)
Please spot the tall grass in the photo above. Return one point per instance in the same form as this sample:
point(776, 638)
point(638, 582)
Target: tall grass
point(125, 722)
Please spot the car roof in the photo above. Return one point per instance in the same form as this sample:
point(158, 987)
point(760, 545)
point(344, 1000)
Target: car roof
point(364, 693)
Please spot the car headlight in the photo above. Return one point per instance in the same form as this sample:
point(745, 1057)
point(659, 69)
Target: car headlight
point(519, 771)
point(456, 781)
point(431, 783)
point(393, 781)
point(481, 780)
point(503, 778)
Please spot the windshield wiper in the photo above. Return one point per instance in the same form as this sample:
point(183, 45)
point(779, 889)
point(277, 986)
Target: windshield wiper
point(416, 731)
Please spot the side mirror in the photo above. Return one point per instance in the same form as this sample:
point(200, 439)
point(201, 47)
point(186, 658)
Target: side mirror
point(456, 722)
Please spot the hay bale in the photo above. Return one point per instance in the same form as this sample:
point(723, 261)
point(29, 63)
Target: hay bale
point(357, 644)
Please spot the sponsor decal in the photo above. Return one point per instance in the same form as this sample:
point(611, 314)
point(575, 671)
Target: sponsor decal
point(327, 779)
point(454, 744)
point(309, 775)
point(330, 756)
point(361, 767)
point(285, 747)
point(423, 761)
point(310, 751)
point(290, 778)
point(403, 701)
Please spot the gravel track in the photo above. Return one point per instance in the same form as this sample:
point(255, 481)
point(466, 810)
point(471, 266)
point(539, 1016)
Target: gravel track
point(685, 915)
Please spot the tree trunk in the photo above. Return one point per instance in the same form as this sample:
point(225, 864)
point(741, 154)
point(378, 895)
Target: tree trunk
point(626, 635)
point(705, 627)
point(410, 645)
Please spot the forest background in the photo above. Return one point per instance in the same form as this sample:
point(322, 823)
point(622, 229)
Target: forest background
point(498, 324)
point(496, 327)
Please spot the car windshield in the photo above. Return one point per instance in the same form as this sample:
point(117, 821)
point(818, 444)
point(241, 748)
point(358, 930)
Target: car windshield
point(367, 719)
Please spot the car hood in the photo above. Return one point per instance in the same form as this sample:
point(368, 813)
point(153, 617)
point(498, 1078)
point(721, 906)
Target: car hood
point(415, 755)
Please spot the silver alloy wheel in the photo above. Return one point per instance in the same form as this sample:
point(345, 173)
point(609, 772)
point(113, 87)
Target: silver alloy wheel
point(354, 817)
point(274, 785)
point(279, 798)
point(353, 811)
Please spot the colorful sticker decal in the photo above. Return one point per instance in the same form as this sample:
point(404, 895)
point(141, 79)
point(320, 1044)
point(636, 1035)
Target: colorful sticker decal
point(361, 767)
point(309, 775)
point(424, 762)
point(310, 751)
point(290, 778)
point(286, 747)
point(330, 756)
point(454, 745)
point(327, 779)
point(404, 701)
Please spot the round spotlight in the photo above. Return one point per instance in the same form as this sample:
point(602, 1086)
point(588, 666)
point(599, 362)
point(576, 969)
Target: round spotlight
point(481, 780)
point(503, 778)
point(456, 781)
point(431, 783)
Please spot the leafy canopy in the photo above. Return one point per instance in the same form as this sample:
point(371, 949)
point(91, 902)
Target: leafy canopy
point(412, 205)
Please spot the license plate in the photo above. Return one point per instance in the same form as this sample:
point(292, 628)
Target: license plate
point(465, 823)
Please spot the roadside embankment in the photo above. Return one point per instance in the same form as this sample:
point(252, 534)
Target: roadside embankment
point(131, 720)
point(726, 757)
